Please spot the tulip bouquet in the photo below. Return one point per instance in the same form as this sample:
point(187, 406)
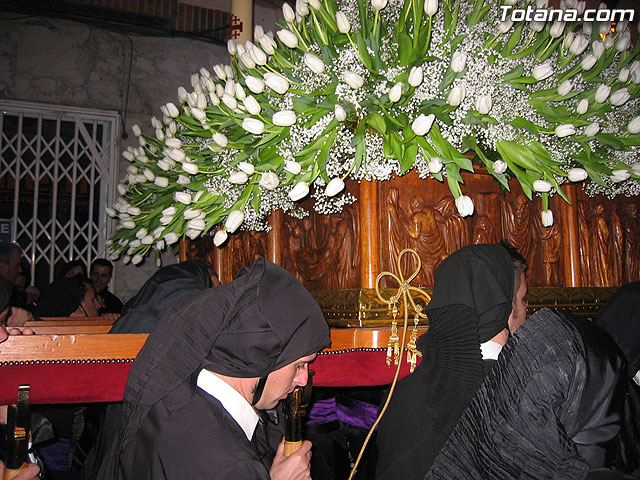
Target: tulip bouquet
point(370, 89)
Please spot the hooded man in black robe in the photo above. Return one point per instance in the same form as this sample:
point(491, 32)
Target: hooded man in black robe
point(547, 410)
point(194, 394)
point(471, 305)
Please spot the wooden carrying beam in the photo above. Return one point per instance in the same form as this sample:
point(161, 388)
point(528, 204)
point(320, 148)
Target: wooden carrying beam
point(94, 368)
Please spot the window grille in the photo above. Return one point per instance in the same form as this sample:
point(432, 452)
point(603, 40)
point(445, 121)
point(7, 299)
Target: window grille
point(58, 169)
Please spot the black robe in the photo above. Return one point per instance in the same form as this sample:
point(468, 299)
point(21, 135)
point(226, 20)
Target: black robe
point(471, 303)
point(546, 411)
point(175, 443)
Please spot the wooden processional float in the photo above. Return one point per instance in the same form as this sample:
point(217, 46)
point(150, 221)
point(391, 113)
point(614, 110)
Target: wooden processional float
point(592, 248)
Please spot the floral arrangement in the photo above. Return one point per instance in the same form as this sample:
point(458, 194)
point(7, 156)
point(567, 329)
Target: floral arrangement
point(367, 90)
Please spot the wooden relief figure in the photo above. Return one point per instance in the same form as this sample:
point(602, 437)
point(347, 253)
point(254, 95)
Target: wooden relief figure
point(631, 245)
point(342, 252)
point(244, 247)
point(433, 231)
point(550, 242)
point(518, 226)
point(487, 227)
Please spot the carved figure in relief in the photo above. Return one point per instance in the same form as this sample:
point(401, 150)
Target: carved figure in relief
point(551, 247)
point(517, 226)
point(585, 244)
point(631, 227)
point(246, 247)
point(340, 259)
point(617, 241)
point(487, 223)
point(602, 248)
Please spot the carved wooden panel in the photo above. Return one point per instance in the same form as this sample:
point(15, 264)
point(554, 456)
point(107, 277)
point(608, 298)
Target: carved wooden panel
point(323, 250)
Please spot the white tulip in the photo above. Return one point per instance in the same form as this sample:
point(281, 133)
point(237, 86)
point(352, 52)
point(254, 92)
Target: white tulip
point(587, 28)
point(416, 76)
point(276, 82)
point(635, 168)
point(579, 44)
point(422, 124)
point(240, 93)
point(149, 175)
point(583, 106)
point(162, 182)
point(215, 99)
point(176, 154)
point(221, 235)
point(598, 48)
point(378, 4)
point(542, 71)
point(542, 186)
point(430, 7)
point(111, 212)
point(634, 125)
point(288, 13)
point(335, 186)
point(577, 174)
point(484, 104)
point(339, 113)
point(252, 105)
point(182, 180)
point(134, 211)
point(234, 220)
point(157, 233)
point(315, 64)
point(132, 169)
point(220, 139)
point(269, 181)
point(539, 26)
point(192, 233)
point(191, 168)
point(343, 23)
point(258, 31)
point(609, 42)
point(137, 131)
point(504, 27)
point(500, 166)
point(172, 110)
point(623, 76)
point(140, 178)
point(128, 224)
point(288, 38)
point(292, 167)
point(284, 118)
point(624, 40)
point(556, 29)
point(602, 93)
point(171, 238)
point(229, 71)
point(219, 71)
point(395, 93)
point(547, 218)
point(219, 90)
point(568, 39)
point(458, 62)
point(256, 85)
point(352, 79)
point(170, 211)
point(620, 97)
point(253, 125)
point(147, 240)
point(268, 44)
point(588, 62)
point(435, 165)
point(301, 8)
point(299, 191)
point(315, 4)
point(231, 46)
point(618, 176)
point(247, 168)
point(565, 87)
point(247, 61)
point(456, 95)
point(565, 130)
point(136, 259)
point(240, 49)
point(182, 197)
point(199, 114)
point(196, 224)
point(464, 204)
point(238, 178)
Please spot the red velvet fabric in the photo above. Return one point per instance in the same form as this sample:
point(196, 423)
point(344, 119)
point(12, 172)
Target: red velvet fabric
point(105, 382)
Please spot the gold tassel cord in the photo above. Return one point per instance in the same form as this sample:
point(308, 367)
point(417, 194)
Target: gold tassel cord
point(397, 345)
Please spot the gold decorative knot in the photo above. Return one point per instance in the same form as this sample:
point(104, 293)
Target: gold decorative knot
point(404, 292)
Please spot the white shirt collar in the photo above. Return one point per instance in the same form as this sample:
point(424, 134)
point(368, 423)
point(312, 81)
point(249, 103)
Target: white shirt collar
point(490, 350)
point(636, 378)
point(232, 401)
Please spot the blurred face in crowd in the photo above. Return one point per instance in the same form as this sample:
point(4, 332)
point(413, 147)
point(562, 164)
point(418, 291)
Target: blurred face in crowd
point(100, 276)
point(11, 270)
point(90, 305)
point(75, 270)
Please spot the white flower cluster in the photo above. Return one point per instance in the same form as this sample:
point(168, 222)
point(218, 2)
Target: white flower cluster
point(332, 96)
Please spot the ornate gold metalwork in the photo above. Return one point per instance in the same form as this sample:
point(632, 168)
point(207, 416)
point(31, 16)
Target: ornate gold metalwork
point(403, 295)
